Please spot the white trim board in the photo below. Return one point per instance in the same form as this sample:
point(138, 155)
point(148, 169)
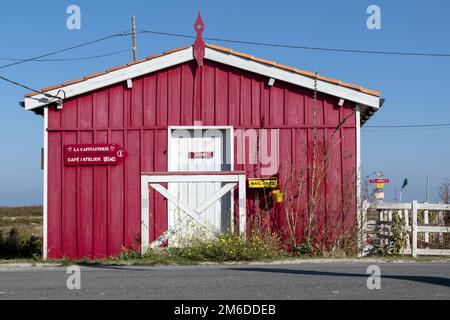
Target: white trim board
point(292, 77)
point(121, 75)
point(186, 55)
point(45, 195)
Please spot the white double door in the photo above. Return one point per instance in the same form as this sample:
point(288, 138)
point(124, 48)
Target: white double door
point(199, 150)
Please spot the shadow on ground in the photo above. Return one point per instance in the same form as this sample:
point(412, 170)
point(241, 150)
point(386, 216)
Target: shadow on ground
point(439, 281)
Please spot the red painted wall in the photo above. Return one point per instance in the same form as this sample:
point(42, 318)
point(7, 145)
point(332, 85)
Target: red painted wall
point(95, 211)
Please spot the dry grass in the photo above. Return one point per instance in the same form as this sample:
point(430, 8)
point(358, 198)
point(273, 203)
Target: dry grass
point(28, 218)
point(20, 212)
point(20, 232)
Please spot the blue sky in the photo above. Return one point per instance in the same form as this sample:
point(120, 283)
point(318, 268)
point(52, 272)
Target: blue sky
point(416, 89)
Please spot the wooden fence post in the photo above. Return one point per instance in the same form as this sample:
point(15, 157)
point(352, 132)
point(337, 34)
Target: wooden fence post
point(408, 229)
point(426, 221)
point(414, 229)
point(441, 222)
point(362, 232)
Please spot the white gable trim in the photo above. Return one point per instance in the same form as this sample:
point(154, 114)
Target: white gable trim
point(186, 55)
point(113, 77)
point(292, 77)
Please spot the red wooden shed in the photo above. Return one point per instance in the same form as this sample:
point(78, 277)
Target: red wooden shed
point(138, 154)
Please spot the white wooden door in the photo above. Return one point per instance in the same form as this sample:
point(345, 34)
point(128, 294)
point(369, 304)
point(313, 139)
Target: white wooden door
point(199, 150)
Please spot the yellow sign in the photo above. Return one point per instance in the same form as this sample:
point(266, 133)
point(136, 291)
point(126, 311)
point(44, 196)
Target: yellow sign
point(380, 186)
point(263, 183)
point(278, 195)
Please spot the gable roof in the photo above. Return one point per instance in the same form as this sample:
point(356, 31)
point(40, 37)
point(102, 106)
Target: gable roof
point(369, 100)
point(295, 70)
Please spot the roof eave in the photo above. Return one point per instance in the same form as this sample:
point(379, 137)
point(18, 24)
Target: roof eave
point(293, 77)
point(245, 62)
point(109, 77)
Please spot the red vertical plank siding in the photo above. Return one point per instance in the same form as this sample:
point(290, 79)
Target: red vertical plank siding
point(333, 183)
point(285, 167)
point(234, 81)
point(160, 150)
point(277, 106)
point(54, 119)
point(85, 186)
point(69, 115)
point(95, 211)
point(86, 201)
point(316, 154)
point(85, 112)
point(221, 97)
point(100, 236)
point(69, 200)
point(265, 105)
point(187, 94)
point(294, 108)
point(54, 195)
point(256, 102)
point(349, 176)
point(332, 111)
point(100, 106)
point(137, 100)
point(116, 201)
point(100, 221)
point(54, 191)
point(116, 107)
point(132, 190)
point(208, 107)
point(321, 109)
point(162, 99)
point(174, 93)
point(69, 118)
point(150, 93)
point(300, 180)
point(309, 107)
point(246, 102)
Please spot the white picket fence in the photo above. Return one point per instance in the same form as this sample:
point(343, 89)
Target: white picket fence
point(424, 219)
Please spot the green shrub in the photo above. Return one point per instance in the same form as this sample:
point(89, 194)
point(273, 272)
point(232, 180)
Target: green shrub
point(306, 248)
point(397, 237)
point(19, 243)
point(128, 255)
point(229, 247)
point(223, 248)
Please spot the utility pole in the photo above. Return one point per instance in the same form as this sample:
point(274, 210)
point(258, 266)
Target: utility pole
point(428, 188)
point(133, 20)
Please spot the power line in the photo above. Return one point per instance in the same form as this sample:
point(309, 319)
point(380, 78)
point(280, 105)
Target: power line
point(122, 34)
point(441, 125)
point(40, 58)
point(69, 59)
point(418, 54)
point(29, 88)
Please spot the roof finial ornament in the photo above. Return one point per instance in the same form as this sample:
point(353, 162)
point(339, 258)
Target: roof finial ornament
point(199, 45)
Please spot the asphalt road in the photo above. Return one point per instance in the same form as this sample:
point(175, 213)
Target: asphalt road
point(247, 282)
